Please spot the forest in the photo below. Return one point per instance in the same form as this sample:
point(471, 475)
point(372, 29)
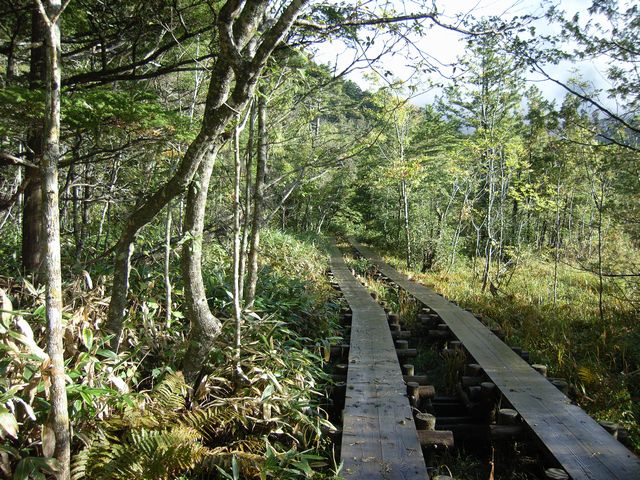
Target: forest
point(172, 174)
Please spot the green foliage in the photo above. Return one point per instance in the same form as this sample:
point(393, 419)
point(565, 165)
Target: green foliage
point(167, 432)
point(599, 360)
point(132, 413)
point(135, 109)
point(19, 107)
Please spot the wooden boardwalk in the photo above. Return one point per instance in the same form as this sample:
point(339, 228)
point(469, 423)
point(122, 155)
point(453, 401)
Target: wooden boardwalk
point(581, 446)
point(379, 439)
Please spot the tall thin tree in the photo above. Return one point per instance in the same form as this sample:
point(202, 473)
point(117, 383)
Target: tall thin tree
point(52, 277)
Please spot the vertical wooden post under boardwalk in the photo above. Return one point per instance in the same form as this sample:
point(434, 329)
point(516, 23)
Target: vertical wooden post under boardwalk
point(582, 447)
point(379, 438)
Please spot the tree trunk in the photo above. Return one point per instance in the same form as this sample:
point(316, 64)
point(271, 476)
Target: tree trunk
point(599, 199)
point(167, 269)
point(237, 24)
point(59, 416)
point(556, 256)
point(488, 248)
point(75, 209)
point(86, 195)
point(237, 278)
point(258, 203)
point(407, 230)
point(32, 210)
point(107, 205)
point(205, 327)
point(246, 224)
point(143, 215)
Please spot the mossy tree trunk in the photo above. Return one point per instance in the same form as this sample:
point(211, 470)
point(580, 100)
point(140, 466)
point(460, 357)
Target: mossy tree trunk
point(258, 202)
point(32, 206)
point(52, 276)
point(205, 327)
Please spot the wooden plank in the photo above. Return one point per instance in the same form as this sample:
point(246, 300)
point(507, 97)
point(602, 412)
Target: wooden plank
point(583, 448)
point(379, 439)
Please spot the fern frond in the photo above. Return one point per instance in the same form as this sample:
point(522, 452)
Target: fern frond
point(170, 394)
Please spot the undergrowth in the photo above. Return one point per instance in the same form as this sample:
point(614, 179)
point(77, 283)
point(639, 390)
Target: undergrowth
point(601, 360)
point(132, 414)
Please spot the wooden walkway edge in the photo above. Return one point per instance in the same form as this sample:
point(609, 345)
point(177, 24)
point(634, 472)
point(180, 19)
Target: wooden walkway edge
point(581, 446)
point(379, 438)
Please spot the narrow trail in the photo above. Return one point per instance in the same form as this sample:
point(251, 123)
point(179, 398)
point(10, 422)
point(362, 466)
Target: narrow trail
point(379, 437)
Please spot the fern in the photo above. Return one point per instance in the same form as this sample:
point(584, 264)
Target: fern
point(163, 437)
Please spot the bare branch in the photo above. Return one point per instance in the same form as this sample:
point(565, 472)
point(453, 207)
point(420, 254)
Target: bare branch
point(8, 159)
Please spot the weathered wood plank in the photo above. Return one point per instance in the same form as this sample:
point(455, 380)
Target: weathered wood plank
point(379, 439)
point(583, 448)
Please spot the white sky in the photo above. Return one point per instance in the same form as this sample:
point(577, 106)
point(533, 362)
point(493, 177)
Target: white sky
point(445, 46)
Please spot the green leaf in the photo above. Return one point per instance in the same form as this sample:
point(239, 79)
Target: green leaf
point(234, 468)
point(103, 352)
point(267, 393)
point(34, 467)
point(87, 337)
point(8, 424)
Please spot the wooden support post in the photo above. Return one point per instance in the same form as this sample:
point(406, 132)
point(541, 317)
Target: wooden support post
point(394, 319)
point(341, 368)
point(611, 427)
point(338, 393)
point(506, 432)
point(436, 438)
point(473, 370)
point(541, 369)
point(339, 353)
point(441, 335)
point(426, 391)
point(470, 381)
point(412, 393)
point(408, 369)
point(489, 391)
point(508, 416)
point(420, 379)
point(561, 384)
point(498, 333)
point(474, 393)
point(400, 334)
point(412, 389)
point(407, 352)
point(425, 421)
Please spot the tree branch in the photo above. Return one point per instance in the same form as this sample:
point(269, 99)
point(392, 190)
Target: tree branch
point(8, 159)
point(584, 97)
